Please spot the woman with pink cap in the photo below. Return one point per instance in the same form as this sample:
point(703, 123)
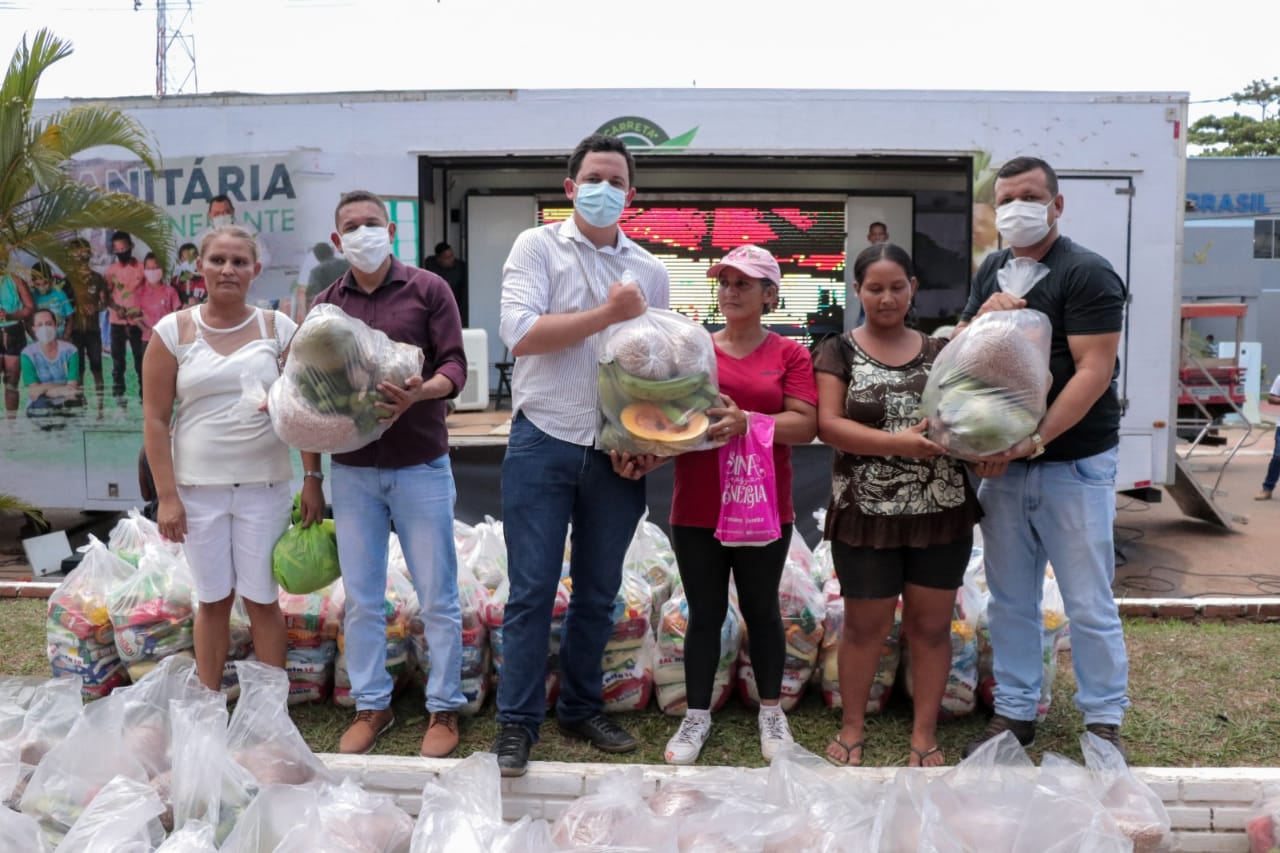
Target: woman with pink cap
point(765, 374)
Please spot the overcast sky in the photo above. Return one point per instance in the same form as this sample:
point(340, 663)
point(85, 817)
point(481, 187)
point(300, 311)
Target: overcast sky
point(340, 45)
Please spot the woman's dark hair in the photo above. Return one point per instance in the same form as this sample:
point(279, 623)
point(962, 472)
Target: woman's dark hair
point(881, 252)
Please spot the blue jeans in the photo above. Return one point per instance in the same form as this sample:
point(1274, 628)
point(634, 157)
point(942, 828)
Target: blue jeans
point(419, 499)
point(1273, 467)
point(546, 484)
point(1062, 512)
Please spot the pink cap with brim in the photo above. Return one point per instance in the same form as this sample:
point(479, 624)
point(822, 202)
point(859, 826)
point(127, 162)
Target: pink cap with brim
point(750, 261)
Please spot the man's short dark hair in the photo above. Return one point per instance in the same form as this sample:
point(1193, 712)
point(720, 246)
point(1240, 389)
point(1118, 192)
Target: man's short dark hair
point(185, 246)
point(878, 225)
point(322, 251)
point(1022, 165)
point(359, 195)
point(78, 243)
point(601, 142)
point(122, 235)
point(441, 248)
point(223, 198)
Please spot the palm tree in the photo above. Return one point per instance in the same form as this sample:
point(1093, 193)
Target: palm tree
point(41, 204)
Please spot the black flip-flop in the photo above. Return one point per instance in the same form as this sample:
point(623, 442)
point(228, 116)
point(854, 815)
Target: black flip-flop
point(848, 752)
point(922, 754)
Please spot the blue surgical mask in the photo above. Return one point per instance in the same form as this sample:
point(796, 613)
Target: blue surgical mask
point(600, 203)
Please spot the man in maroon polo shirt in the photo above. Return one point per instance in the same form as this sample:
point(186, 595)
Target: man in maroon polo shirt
point(404, 477)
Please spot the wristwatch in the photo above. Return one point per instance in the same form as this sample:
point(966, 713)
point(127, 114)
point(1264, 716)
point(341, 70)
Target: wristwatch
point(1039, 443)
point(319, 475)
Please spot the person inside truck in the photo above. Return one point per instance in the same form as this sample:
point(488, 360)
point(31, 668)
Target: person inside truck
point(901, 515)
point(562, 285)
point(771, 377)
point(1052, 496)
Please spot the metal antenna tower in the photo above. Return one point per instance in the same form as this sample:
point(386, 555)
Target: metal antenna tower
point(175, 49)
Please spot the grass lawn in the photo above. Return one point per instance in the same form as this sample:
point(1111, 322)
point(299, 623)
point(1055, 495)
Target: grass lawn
point(1205, 695)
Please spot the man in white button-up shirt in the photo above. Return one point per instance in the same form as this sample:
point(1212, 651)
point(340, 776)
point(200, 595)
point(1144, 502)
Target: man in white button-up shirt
point(563, 286)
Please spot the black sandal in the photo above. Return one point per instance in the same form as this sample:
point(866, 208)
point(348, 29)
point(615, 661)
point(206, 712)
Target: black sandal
point(848, 752)
point(922, 754)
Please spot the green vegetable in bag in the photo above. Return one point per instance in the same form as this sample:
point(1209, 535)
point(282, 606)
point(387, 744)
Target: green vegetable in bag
point(305, 559)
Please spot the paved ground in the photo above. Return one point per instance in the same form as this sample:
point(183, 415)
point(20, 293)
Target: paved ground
point(1161, 552)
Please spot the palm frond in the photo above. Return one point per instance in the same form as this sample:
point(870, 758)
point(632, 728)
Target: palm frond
point(10, 503)
point(81, 128)
point(26, 66)
point(47, 220)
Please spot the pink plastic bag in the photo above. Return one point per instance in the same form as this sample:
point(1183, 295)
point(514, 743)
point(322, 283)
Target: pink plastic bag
point(748, 494)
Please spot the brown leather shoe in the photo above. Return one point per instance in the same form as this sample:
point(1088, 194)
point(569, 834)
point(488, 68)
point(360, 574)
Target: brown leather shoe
point(442, 735)
point(368, 726)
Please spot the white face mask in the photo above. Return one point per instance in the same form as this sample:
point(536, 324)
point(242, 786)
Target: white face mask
point(153, 276)
point(1023, 223)
point(45, 334)
point(220, 220)
point(367, 247)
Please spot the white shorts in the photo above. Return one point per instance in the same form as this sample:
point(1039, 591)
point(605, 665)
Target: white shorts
point(231, 531)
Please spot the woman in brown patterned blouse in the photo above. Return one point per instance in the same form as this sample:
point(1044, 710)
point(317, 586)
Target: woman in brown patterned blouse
point(901, 515)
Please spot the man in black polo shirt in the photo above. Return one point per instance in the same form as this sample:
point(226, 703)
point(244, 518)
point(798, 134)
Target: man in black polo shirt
point(1052, 496)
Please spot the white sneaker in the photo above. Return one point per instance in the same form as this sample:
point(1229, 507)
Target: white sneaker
point(774, 732)
point(686, 743)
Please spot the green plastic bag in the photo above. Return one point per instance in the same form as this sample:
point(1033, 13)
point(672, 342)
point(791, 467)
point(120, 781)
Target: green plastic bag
point(306, 559)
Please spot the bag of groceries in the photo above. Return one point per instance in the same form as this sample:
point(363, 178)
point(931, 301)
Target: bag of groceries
point(988, 388)
point(657, 379)
point(326, 399)
point(305, 559)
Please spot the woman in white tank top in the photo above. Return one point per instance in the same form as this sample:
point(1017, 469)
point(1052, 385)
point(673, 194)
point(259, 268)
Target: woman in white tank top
point(223, 483)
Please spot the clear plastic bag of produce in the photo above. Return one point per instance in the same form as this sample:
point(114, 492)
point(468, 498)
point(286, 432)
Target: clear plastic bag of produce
point(45, 723)
point(123, 817)
point(208, 787)
point(305, 559)
point(982, 802)
point(484, 552)
point(988, 388)
point(20, 833)
point(262, 737)
point(615, 817)
point(657, 378)
point(462, 813)
point(194, 837)
point(840, 807)
point(1137, 810)
point(341, 817)
point(325, 401)
point(1263, 826)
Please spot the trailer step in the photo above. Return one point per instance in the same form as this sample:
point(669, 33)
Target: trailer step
point(1193, 498)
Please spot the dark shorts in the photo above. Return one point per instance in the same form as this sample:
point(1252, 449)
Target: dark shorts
point(883, 572)
point(12, 339)
point(89, 344)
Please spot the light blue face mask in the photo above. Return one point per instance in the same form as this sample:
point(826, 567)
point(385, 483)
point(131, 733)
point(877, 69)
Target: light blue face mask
point(600, 203)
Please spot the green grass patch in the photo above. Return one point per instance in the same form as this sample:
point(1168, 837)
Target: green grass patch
point(1204, 695)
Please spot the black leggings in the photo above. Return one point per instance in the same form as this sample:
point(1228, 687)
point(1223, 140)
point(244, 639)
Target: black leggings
point(705, 567)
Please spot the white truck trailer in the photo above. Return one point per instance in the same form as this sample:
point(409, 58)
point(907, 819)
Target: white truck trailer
point(802, 171)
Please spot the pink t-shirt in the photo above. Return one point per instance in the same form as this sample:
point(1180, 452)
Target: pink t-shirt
point(777, 368)
point(124, 281)
point(156, 300)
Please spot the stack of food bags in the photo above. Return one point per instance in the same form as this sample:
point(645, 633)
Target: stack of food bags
point(312, 622)
point(472, 596)
point(492, 611)
point(325, 400)
point(960, 696)
point(483, 551)
point(829, 658)
point(803, 609)
point(988, 389)
point(650, 556)
point(668, 669)
point(1053, 640)
point(400, 608)
point(656, 380)
point(628, 656)
point(81, 638)
point(151, 610)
